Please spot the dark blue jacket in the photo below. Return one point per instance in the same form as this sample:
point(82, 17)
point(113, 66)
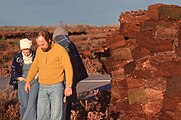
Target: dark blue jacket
point(16, 68)
point(79, 71)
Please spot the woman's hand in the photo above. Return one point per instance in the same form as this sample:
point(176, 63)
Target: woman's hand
point(20, 79)
point(27, 87)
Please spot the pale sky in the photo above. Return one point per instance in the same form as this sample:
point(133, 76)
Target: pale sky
point(51, 12)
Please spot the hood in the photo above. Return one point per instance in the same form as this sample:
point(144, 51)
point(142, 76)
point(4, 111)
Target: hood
point(60, 30)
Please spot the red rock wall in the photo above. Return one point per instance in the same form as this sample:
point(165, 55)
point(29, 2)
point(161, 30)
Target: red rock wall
point(146, 71)
point(130, 22)
point(164, 12)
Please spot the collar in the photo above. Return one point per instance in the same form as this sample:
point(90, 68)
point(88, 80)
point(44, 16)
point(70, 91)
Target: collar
point(53, 43)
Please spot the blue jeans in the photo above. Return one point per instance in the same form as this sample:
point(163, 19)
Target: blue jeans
point(50, 102)
point(28, 102)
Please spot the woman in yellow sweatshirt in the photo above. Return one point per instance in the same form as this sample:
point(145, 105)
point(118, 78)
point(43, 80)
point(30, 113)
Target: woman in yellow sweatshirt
point(51, 62)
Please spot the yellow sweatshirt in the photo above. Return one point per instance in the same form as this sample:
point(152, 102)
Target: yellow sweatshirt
point(51, 66)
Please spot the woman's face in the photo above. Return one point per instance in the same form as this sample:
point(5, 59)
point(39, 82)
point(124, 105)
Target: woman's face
point(26, 52)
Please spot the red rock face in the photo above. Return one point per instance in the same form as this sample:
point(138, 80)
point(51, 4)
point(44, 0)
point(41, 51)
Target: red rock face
point(158, 36)
point(130, 22)
point(178, 48)
point(146, 69)
point(164, 12)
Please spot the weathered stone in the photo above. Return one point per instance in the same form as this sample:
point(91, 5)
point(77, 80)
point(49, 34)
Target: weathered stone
point(118, 93)
point(150, 81)
point(152, 108)
point(112, 65)
point(173, 88)
point(178, 49)
point(157, 36)
point(137, 96)
point(130, 22)
point(117, 44)
point(122, 53)
point(116, 40)
point(168, 69)
point(170, 103)
point(135, 83)
point(129, 68)
point(165, 12)
point(155, 99)
point(140, 52)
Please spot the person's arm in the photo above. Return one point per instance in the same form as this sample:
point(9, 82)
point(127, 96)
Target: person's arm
point(15, 74)
point(66, 63)
point(15, 71)
point(32, 73)
point(68, 72)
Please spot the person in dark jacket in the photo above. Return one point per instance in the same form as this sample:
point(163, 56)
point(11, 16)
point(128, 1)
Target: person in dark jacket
point(21, 63)
point(60, 36)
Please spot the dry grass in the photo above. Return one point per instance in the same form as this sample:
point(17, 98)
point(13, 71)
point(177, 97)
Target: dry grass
point(9, 105)
point(92, 105)
point(69, 27)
